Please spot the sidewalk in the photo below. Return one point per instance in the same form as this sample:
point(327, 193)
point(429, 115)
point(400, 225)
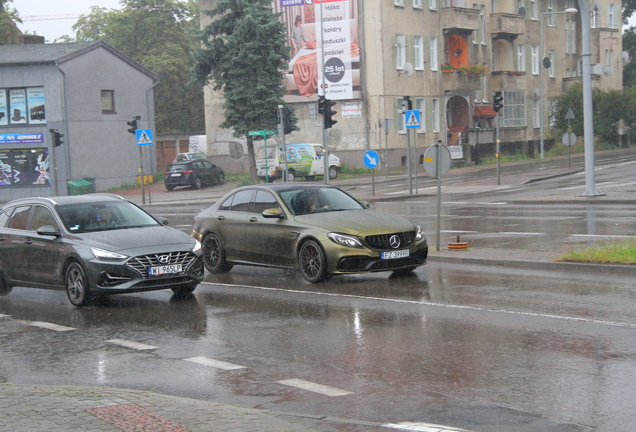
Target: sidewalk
point(31, 408)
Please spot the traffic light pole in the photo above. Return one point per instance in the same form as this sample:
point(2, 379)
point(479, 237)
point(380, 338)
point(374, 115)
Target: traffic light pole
point(281, 132)
point(498, 150)
point(53, 147)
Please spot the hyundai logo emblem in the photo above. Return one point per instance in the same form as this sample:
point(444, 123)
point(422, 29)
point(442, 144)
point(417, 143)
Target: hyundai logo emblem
point(394, 241)
point(164, 259)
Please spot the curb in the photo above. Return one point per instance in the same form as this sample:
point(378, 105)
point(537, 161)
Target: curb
point(615, 269)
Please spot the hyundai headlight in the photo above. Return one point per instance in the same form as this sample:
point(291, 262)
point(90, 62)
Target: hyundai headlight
point(107, 255)
point(345, 240)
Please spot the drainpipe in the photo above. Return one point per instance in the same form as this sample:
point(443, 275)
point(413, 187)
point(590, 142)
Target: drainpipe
point(69, 171)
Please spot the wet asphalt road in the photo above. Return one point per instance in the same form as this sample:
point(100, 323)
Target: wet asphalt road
point(477, 347)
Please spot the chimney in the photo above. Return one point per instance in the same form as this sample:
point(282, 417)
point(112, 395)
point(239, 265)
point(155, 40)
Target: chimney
point(26, 39)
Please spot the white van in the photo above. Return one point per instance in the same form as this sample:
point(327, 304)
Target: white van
point(303, 160)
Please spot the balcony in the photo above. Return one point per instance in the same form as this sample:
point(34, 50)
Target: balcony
point(456, 80)
point(507, 26)
point(459, 20)
point(506, 80)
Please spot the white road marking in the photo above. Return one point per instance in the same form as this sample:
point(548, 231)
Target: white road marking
point(602, 236)
point(214, 363)
point(131, 344)
point(459, 231)
point(422, 427)
point(49, 326)
point(182, 226)
point(519, 233)
point(493, 203)
point(455, 202)
point(4, 316)
point(316, 388)
point(439, 305)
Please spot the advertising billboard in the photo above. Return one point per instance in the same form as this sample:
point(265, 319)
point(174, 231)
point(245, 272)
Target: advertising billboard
point(323, 41)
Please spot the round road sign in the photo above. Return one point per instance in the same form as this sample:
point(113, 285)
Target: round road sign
point(430, 160)
point(371, 159)
point(569, 139)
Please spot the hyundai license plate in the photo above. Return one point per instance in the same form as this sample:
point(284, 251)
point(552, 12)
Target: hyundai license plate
point(165, 269)
point(395, 254)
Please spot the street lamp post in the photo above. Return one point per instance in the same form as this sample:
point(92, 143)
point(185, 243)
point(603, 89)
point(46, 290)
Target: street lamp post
point(541, 96)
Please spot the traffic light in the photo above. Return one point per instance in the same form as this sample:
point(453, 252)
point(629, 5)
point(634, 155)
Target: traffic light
point(321, 105)
point(328, 113)
point(133, 125)
point(497, 101)
point(57, 137)
point(289, 120)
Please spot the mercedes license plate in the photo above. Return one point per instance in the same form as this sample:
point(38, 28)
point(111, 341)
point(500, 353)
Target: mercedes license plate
point(176, 175)
point(165, 269)
point(395, 254)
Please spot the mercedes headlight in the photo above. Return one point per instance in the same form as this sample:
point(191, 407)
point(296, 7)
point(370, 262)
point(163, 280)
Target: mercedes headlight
point(419, 234)
point(197, 247)
point(345, 240)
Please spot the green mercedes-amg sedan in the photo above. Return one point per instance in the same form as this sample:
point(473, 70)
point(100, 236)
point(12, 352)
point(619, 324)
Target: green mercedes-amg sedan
point(316, 228)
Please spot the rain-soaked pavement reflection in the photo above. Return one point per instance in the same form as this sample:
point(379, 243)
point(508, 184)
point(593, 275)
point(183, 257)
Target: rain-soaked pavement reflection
point(486, 349)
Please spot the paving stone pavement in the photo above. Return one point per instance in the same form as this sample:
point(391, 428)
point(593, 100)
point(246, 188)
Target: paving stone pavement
point(34, 408)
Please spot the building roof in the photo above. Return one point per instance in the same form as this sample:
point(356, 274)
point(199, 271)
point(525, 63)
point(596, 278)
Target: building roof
point(58, 53)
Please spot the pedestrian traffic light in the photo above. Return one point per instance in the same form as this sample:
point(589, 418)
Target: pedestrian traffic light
point(321, 105)
point(328, 114)
point(497, 101)
point(133, 125)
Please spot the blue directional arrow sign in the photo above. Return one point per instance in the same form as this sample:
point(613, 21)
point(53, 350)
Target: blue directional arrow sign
point(371, 159)
point(144, 137)
point(412, 119)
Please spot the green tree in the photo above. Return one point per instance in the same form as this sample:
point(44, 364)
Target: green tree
point(158, 34)
point(609, 109)
point(243, 54)
point(629, 45)
point(8, 30)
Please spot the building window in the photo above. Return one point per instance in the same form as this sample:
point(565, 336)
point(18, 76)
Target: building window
point(400, 51)
point(400, 117)
point(514, 109)
point(434, 62)
point(432, 4)
point(535, 60)
point(550, 14)
point(570, 37)
point(436, 114)
point(609, 60)
point(552, 113)
point(594, 18)
point(534, 9)
point(476, 32)
point(536, 113)
point(521, 58)
point(418, 48)
point(417, 4)
point(398, 2)
point(20, 106)
point(108, 101)
point(552, 68)
point(611, 16)
point(482, 23)
point(484, 89)
point(493, 6)
point(420, 104)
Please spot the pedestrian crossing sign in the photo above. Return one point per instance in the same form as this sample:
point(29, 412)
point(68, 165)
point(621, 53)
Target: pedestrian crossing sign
point(412, 119)
point(144, 137)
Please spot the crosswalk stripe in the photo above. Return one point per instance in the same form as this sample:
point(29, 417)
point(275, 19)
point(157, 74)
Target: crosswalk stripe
point(49, 326)
point(214, 363)
point(422, 427)
point(316, 388)
point(131, 344)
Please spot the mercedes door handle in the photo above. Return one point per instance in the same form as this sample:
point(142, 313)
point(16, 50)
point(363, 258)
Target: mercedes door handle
point(253, 219)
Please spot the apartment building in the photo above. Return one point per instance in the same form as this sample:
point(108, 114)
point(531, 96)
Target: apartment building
point(447, 56)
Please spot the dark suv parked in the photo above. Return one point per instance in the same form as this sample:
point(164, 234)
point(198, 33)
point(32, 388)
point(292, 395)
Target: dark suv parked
point(195, 173)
